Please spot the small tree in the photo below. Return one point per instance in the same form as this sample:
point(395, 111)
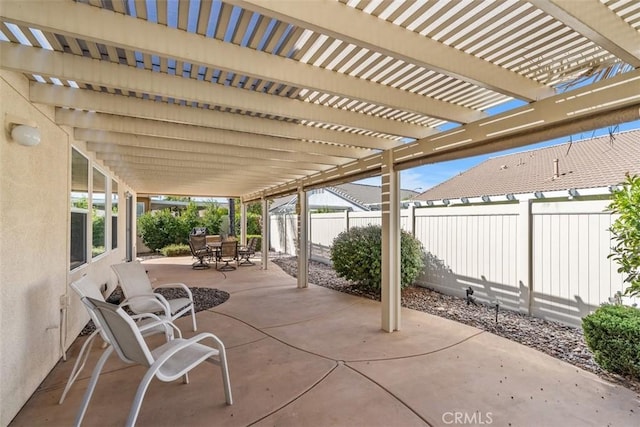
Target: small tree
point(626, 232)
point(357, 255)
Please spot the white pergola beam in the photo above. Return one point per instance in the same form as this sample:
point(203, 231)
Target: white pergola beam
point(183, 132)
point(133, 34)
point(61, 96)
point(105, 148)
point(350, 25)
point(598, 23)
point(196, 148)
point(593, 106)
point(611, 94)
point(228, 163)
point(30, 60)
point(197, 168)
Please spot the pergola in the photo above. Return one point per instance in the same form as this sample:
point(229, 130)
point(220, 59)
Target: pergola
point(258, 99)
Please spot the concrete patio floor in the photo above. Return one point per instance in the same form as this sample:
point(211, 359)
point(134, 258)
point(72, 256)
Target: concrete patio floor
point(317, 357)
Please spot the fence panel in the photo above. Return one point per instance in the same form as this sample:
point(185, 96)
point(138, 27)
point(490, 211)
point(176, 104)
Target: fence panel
point(572, 275)
point(362, 219)
point(325, 228)
point(284, 233)
point(480, 246)
point(471, 246)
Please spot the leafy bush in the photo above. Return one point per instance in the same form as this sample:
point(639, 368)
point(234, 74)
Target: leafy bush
point(612, 333)
point(357, 255)
point(176, 250)
point(212, 218)
point(626, 232)
point(189, 219)
point(159, 229)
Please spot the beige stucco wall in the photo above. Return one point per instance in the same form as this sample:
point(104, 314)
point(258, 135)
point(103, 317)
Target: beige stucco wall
point(34, 249)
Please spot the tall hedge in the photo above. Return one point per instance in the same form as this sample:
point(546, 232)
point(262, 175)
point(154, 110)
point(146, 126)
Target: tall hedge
point(357, 255)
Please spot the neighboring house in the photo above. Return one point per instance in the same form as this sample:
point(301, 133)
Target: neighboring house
point(349, 197)
point(580, 166)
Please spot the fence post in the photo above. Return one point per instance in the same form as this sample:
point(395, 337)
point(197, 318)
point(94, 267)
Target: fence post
point(411, 219)
point(525, 257)
point(346, 220)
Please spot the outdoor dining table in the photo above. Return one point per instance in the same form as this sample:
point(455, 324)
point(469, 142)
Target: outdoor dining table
point(215, 248)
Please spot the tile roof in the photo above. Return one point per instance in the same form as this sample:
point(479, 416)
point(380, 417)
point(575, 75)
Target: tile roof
point(596, 162)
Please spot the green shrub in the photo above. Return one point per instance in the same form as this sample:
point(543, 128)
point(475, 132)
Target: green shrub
point(357, 255)
point(626, 232)
point(612, 333)
point(159, 229)
point(176, 250)
point(212, 218)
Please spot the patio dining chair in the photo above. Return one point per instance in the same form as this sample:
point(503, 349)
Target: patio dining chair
point(200, 250)
point(147, 323)
point(246, 252)
point(141, 297)
point(168, 362)
point(228, 253)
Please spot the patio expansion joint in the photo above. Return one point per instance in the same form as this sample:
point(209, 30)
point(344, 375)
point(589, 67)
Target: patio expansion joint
point(276, 338)
point(409, 356)
point(393, 395)
point(312, 317)
point(304, 392)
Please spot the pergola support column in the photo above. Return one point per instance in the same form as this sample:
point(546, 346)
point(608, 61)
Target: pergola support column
point(265, 233)
point(243, 224)
point(390, 245)
point(303, 239)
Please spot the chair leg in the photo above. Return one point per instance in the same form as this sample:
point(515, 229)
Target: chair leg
point(137, 401)
point(225, 376)
point(79, 365)
point(193, 317)
point(92, 385)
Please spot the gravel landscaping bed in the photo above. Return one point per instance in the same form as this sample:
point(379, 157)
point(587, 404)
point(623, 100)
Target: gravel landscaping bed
point(203, 299)
point(560, 341)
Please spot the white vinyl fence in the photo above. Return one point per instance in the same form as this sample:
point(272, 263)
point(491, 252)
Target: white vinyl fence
point(547, 259)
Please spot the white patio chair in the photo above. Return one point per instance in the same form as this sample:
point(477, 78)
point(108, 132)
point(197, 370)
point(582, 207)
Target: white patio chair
point(141, 297)
point(147, 323)
point(168, 362)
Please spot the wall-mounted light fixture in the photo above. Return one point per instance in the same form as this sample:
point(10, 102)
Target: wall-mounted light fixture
point(24, 132)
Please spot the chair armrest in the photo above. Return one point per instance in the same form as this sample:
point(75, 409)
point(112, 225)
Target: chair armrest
point(177, 285)
point(159, 322)
point(155, 299)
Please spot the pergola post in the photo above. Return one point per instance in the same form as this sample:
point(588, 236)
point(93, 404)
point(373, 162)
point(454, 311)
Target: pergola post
point(303, 238)
point(390, 245)
point(243, 223)
point(265, 233)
